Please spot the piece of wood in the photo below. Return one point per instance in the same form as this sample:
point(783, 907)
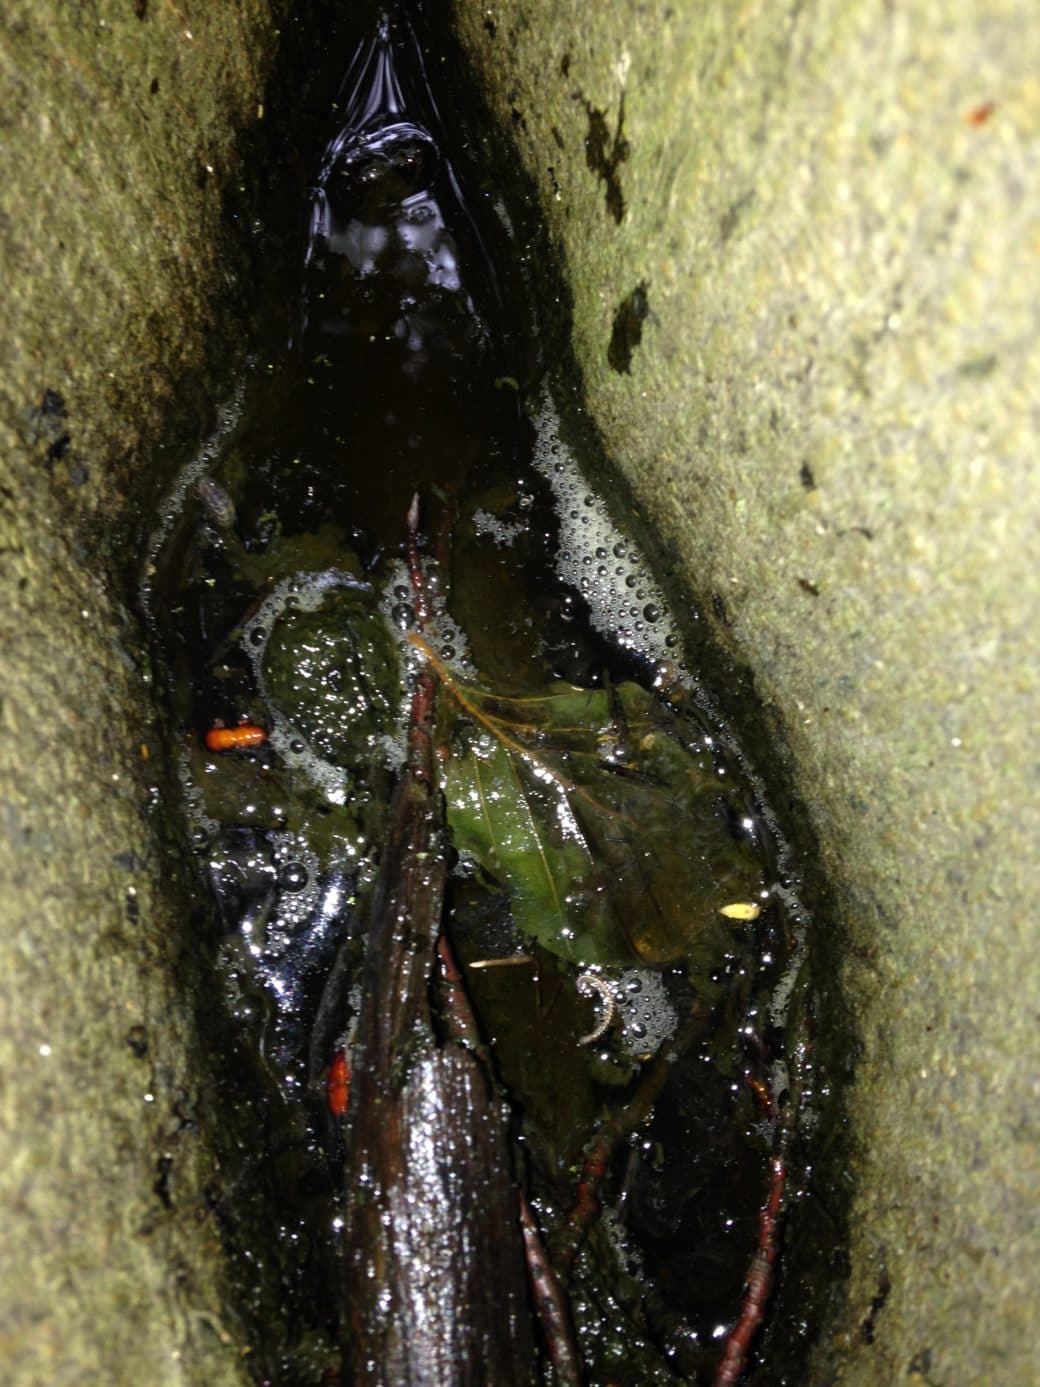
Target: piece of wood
point(435, 1287)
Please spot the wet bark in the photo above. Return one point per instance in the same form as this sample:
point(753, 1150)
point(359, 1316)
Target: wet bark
point(435, 1278)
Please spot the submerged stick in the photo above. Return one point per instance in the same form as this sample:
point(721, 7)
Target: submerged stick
point(567, 1240)
point(550, 1301)
point(761, 1272)
point(550, 1304)
point(435, 1290)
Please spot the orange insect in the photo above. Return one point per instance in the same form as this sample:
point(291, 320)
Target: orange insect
point(230, 738)
point(337, 1087)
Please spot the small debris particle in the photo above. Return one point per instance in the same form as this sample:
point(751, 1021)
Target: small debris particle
point(627, 332)
point(604, 154)
point(978, 367)
point(978, 115)
point(509, 962)
point(162, 1181)
point(741, 910)
point(337, 1090)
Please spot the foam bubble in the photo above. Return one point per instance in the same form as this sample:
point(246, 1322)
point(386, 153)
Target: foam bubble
point(594, 555)
point(295, 907)
point(503, 532)
point(646, 1015)
point(190, 475)
point(629, 608)
point(304, 592)
point(627, 1251)
point(203, 828)
point(443, 633)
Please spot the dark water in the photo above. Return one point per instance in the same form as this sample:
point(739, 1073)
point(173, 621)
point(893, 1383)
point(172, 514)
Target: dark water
point(407, 364)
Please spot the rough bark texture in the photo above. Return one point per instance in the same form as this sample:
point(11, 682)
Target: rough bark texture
point(435, 1285)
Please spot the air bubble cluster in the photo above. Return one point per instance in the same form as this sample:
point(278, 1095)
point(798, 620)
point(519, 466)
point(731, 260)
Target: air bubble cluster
point(645, 1012)
point(626, 604)
point(303, 592)
point(443, 634)
point(626, 1249)
point(502, 532)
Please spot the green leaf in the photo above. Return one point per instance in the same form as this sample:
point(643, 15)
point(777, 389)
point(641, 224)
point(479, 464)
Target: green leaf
point(601, 820)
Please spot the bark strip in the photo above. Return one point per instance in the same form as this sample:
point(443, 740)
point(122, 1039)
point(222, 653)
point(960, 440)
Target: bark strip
point(435, 1277)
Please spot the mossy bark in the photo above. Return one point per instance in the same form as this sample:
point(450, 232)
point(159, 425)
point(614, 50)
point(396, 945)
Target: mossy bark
point(802, 244)
point(120, 126)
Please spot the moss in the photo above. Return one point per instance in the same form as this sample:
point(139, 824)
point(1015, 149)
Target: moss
point(120, 144)
point(828, 421)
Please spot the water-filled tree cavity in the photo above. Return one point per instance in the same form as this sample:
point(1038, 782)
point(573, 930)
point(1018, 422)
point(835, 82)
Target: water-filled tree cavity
point(505, 931)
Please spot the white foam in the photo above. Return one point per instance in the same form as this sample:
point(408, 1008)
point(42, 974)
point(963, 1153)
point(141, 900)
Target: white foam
point(599, 559)
point(645, 1011)
point(503, 532)
point(627, 1251)
point(228, 416)
point(596, 557)
point(307, 591)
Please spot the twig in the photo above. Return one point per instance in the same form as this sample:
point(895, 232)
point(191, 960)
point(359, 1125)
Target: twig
point(415, 571)
point(513, 961)
point(758, 1284)
point(417, 1104)
point(567, 1239)
point(550, 1304)
point(461, 1023)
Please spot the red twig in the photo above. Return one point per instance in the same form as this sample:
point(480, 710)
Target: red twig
point(415, 569)
point(337, 1085)
point(763, 1096)
point(458, 1011)
point(424, 695)
point(758, 1284)
point(568, 1238)
point(550, 1304)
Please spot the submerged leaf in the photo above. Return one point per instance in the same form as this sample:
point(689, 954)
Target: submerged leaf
point(597, 815)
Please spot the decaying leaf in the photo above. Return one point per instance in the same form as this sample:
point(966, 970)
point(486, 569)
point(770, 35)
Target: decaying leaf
point(602, 822)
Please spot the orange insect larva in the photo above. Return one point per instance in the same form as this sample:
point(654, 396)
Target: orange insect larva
point(337, 1089)
point(232, 738)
